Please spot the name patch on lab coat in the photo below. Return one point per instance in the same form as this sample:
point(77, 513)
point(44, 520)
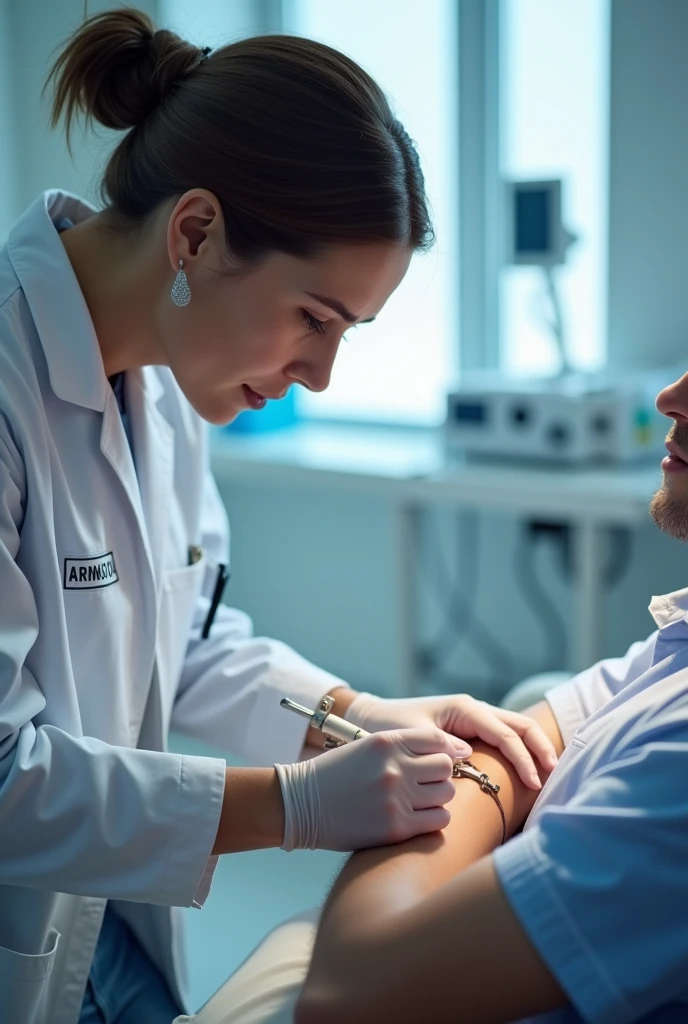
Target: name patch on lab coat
point(89, 573)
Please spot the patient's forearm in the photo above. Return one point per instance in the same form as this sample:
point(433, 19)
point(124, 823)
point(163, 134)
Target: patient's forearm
point(376, 884)
point(377, 909)
point(385, 879)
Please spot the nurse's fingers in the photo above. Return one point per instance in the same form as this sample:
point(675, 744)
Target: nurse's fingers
point(428, 739)
point(433, 794)
point(532, 734)
point(433, 768)
point(485, 722)
point(434, 819)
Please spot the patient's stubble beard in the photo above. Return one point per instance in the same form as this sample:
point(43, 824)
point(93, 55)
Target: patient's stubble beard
point(669, 506)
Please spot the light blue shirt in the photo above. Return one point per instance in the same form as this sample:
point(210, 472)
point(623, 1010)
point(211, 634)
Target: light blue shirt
point(599, 876)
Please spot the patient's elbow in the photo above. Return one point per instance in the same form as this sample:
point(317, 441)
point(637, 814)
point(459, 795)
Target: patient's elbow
point(316, 1006)
point(345, 983)
point(309, 1011)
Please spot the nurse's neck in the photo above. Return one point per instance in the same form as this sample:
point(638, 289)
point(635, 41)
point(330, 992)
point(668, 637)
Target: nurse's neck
point(121, 282)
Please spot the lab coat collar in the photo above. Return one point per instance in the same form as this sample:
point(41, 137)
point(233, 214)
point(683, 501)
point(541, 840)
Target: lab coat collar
point(669, 608)
point(57, 304)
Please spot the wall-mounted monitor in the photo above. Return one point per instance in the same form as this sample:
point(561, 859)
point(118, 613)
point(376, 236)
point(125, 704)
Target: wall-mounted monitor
point(535, 233)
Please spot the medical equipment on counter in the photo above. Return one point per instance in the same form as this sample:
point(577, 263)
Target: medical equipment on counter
point(337, 730)
point(574, 418)
point(537, 237)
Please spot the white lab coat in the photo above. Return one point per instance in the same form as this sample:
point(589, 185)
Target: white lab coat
point(95, 671)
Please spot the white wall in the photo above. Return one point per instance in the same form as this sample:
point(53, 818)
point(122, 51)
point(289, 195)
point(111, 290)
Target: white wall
point(34, 158)
point(648, 200)
point(319, 573)
point(35, 28)
point(213, 22)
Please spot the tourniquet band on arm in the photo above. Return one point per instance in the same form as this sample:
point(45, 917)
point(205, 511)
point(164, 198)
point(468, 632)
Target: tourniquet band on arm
point(467, 770)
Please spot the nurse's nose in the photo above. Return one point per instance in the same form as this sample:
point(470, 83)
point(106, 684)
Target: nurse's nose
point(673, 401)
point(314, 372)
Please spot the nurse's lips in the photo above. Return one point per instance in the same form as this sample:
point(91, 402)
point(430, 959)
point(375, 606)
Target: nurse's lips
point(253, 399)
point(257, 400)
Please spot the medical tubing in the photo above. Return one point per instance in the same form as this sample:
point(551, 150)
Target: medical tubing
point(458, 609)
point(458, 604)
point(545, 611)
point(301, 805)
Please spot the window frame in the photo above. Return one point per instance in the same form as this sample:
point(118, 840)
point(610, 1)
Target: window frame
point(480, 216)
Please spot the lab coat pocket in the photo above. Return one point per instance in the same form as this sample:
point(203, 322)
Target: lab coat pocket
point(180, 591)
point(24, 982)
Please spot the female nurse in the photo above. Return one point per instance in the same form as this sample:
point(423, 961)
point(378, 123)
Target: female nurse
point(261, 199)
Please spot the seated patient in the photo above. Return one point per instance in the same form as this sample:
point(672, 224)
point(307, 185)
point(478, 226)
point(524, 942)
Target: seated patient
point(583, 916)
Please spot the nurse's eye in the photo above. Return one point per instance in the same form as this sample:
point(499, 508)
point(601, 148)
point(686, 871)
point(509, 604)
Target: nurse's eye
point(312, 323)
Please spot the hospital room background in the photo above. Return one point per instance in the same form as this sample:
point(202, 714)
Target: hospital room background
point(379, 527)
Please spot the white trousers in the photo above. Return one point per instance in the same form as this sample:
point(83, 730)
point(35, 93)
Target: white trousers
point(265, 988)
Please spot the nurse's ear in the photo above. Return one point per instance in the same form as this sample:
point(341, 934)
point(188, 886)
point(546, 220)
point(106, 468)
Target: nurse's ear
point(196, 232)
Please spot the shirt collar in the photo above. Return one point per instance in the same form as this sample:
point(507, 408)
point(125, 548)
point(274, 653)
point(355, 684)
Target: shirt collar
point(56, 302)
point(669, 608)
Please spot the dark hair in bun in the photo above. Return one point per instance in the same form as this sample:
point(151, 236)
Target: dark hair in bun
point(295, 140)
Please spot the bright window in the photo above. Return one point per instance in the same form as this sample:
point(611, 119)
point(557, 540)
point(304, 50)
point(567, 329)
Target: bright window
point(397, 368)
point(554, 103)
point(210, 22)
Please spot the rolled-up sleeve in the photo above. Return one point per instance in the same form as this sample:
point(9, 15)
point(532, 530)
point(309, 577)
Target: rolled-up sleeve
point(601, 888)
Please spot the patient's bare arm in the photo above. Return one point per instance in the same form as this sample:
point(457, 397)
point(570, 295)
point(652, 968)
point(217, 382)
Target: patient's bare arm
point(419, 930)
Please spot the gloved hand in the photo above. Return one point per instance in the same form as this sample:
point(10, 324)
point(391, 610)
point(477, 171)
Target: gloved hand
point(518, 737)
point(381, 789)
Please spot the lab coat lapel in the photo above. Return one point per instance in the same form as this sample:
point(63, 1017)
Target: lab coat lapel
point(153, 441)
point(115, 448)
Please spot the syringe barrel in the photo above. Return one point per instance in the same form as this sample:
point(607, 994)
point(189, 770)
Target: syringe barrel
point(342, 730)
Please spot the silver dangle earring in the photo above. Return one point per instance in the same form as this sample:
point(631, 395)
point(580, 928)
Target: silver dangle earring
point(181, 293)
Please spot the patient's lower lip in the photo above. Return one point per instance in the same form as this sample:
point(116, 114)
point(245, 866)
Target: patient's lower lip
point(672, 464)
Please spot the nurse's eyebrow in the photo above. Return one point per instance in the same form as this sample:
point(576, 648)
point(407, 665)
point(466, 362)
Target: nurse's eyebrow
point(338, 307)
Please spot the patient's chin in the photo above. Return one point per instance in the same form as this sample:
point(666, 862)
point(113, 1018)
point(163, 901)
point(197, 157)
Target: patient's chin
point(670, 514)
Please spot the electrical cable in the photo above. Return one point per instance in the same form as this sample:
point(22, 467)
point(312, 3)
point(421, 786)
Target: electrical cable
point(556, 325)
point(487, 688)
point(458, 599)
point(455, 622)
point(622, 552)
point(460, 618)
point(548, 617)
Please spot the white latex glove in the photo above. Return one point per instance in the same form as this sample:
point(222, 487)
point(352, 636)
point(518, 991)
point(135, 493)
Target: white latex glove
point(518, 737)
point(378, 790)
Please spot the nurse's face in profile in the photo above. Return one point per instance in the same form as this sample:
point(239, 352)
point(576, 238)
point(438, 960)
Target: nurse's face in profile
point(250, 333)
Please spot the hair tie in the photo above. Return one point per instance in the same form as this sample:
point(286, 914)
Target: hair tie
point(203, 57)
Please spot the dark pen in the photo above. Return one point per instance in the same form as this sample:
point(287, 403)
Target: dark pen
point(222, 577)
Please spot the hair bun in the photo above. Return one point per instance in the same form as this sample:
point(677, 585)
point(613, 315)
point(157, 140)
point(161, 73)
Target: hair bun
point(117, 68)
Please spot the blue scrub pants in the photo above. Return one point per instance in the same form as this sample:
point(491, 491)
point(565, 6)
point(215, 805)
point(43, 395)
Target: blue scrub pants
point(124, 985)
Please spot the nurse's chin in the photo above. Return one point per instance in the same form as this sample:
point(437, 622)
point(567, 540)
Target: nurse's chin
point(218, 409)
point(216, 414)
point(222, 419)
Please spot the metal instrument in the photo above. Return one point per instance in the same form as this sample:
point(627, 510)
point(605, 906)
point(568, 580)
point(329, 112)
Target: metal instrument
point(337, 730)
